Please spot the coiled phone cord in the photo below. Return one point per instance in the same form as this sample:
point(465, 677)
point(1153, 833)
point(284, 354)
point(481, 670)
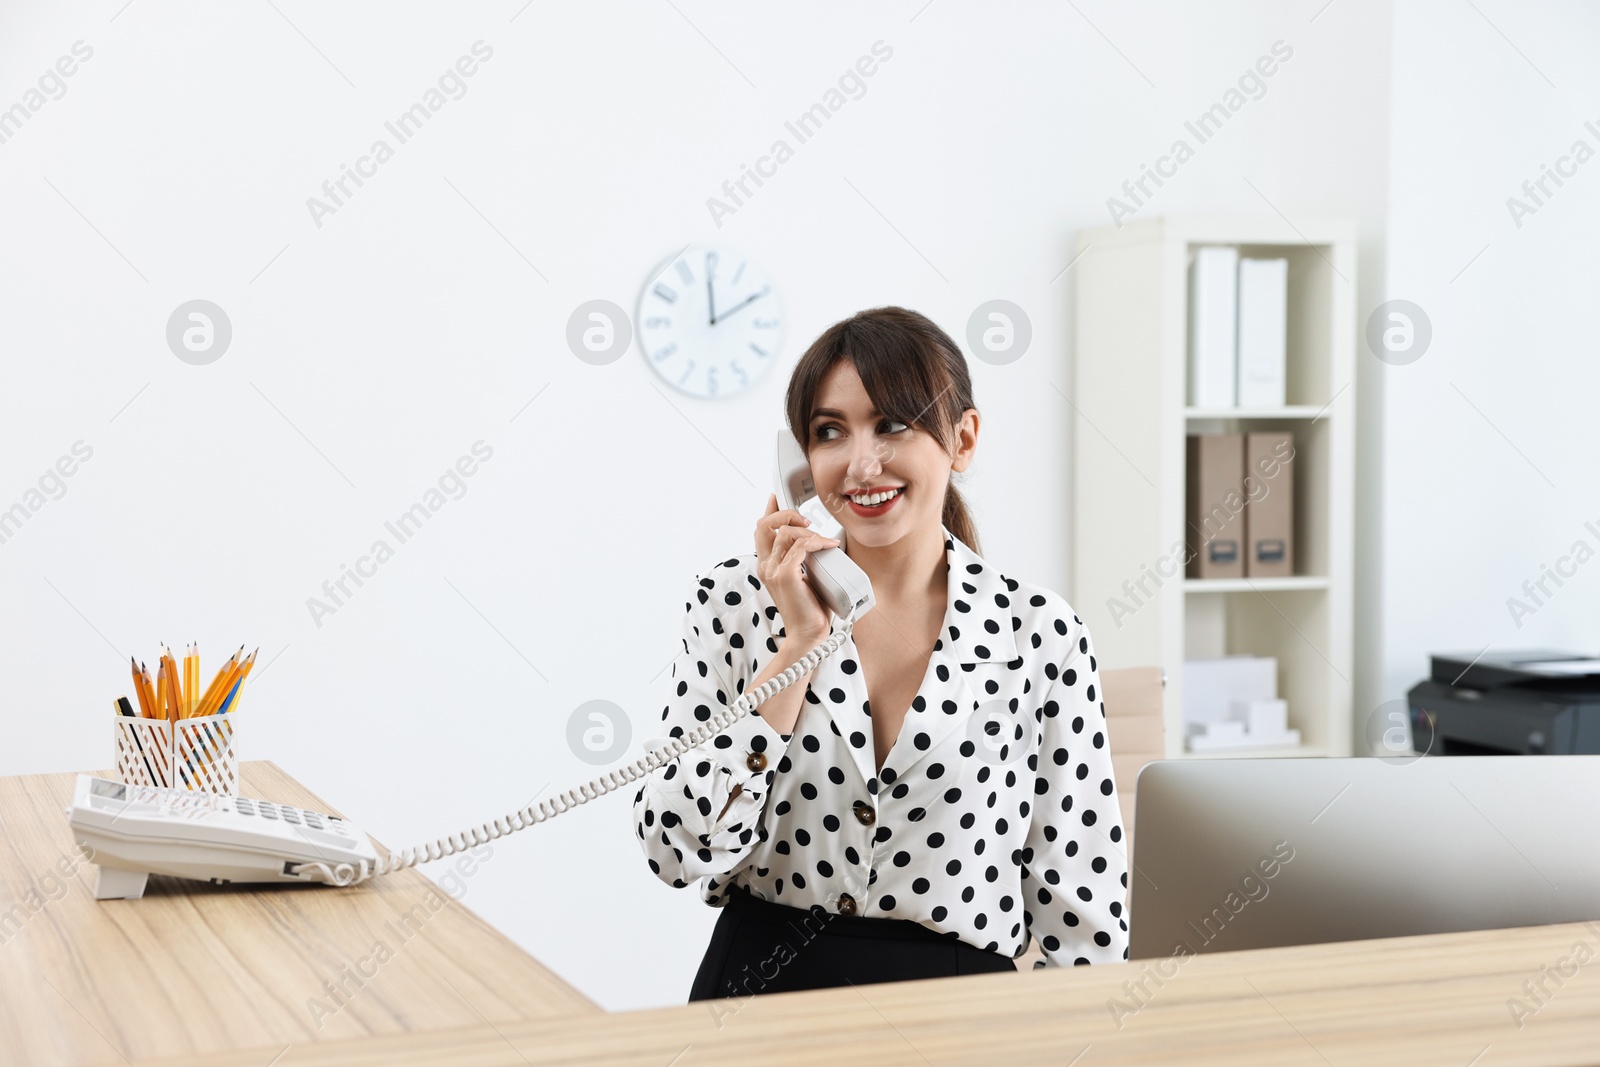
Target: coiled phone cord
point(345, 874)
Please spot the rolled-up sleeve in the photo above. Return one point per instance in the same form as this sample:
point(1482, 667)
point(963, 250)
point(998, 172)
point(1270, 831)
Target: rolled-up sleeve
point(697, 814)
point(1075, 868)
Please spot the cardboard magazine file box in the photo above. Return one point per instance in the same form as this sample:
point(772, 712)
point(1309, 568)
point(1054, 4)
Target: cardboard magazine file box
point(1269, 515)
point(1214, 505)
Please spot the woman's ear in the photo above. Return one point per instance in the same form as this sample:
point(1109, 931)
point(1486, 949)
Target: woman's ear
point(966, 440)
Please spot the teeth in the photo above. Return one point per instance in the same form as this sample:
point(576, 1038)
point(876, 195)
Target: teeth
point(873, 499)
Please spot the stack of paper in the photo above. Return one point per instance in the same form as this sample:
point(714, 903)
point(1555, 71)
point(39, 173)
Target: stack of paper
point(1233, 702)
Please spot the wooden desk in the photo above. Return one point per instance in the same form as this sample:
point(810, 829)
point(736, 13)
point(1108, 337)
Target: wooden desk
point(198, 970)
point(195, 976)
point(1405, 1002)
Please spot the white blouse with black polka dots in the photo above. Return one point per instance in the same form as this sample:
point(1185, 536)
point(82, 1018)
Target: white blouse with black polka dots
point(995, 815)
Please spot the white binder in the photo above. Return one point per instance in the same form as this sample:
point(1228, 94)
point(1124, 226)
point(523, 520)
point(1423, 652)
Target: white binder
point(1213, 292)
point(1263, 324)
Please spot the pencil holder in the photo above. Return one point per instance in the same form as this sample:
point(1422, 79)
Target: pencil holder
point(203, 754)
point(144, 751)
point(197, 754)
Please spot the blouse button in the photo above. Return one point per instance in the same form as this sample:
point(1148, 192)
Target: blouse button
point(847, 904)
point(757, 761)
point(864, 813)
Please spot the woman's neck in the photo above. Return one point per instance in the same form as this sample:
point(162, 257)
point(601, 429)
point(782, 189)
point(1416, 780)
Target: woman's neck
point(911, 568)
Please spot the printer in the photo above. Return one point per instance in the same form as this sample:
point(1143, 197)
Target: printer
point(1537, 702)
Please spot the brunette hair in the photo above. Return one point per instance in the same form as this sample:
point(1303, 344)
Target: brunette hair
point(914, 374)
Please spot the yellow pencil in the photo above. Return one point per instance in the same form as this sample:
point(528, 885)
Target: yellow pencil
point(217, 683)
point(218, 695)
point(150, 691)
point(174, 684)
point(162, 704)
point(237, 689)
point(139, 690)
point(191, 678)
point(175, 674)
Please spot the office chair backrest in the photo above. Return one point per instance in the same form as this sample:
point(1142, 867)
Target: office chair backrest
point(1135, 730)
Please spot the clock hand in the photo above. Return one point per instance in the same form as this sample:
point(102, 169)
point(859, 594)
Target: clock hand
point(711, 301)
point(748, 300)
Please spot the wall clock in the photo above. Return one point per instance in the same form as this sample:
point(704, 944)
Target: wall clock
point(709, 322)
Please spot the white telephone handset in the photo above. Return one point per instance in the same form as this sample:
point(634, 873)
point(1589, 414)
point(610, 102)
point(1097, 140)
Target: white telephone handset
point(839, 583)
point(136, 832)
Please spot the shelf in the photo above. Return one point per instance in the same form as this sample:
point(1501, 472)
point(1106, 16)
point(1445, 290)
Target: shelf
point(1130, 368)
point(1291, 411)
point(1254, 585)
point(1294, 752)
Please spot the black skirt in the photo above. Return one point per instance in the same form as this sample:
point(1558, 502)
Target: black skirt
point(762, 947)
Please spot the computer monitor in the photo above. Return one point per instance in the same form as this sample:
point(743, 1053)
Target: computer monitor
point(1252, 853)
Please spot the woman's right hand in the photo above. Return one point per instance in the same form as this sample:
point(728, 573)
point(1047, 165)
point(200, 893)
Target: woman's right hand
point(783, 538)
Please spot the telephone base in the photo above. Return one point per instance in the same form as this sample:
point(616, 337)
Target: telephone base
point(113, 884)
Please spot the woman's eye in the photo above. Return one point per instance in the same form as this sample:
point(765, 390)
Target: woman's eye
point(894, 425)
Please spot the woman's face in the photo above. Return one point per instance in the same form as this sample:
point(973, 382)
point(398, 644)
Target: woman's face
point(855, 452)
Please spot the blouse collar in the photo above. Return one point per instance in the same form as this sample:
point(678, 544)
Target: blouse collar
point(977, 615)
point(977, 609)
point(976, 629)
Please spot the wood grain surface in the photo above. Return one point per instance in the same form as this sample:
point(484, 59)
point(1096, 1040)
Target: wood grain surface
point(197, 976)
point(1396, 1002)
point(197, 970)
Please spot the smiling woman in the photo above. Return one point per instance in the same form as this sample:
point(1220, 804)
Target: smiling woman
point(940, 792)
point(900, 361)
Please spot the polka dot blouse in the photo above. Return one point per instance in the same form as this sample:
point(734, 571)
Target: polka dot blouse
point(995, 815)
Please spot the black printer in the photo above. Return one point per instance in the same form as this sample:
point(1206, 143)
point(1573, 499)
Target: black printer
point(1536, 702)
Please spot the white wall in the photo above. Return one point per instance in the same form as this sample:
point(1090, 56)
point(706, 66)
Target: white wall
point(1488, 458)
point(375, 350)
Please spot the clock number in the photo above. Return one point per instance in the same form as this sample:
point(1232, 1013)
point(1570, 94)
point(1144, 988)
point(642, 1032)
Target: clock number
point(709, 321)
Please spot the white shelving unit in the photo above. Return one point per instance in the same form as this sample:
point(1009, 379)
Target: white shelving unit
point(1130, 424)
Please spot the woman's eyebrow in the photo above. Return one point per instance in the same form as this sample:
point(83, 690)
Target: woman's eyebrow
point(830, 413)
